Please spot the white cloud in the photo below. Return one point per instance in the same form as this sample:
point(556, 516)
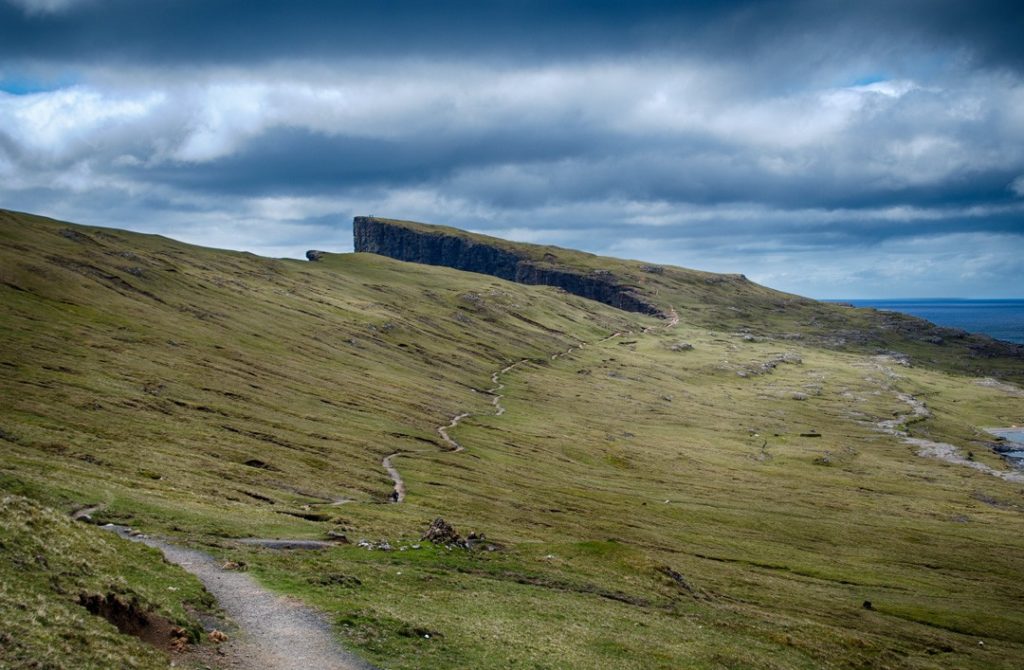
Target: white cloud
point(47, 6)
point(633, 131)
point(56, 125)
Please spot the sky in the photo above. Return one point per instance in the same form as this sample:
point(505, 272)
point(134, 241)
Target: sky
point(831, 149)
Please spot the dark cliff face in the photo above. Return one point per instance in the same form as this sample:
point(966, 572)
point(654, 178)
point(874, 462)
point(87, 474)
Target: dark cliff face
point(440, 248)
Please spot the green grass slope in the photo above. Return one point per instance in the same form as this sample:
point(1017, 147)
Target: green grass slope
point(733, 303)
point(50, 563)
point(733, 504)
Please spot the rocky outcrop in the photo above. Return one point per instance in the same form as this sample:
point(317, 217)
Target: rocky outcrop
point(439, 247)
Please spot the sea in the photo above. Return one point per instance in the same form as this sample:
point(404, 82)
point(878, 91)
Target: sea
point(1015, 440)
point(1001, 319)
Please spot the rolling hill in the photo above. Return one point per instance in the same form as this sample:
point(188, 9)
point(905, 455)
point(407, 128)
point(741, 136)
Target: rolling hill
point(718, 475)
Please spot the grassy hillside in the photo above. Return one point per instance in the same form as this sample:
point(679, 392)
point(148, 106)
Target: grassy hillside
point(731, 302)
point(731, 503)
point(51, 565)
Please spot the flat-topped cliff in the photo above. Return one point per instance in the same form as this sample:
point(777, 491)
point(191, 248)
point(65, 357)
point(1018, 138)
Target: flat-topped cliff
point(437, 245)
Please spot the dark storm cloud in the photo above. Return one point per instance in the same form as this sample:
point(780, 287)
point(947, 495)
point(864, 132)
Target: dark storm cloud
point(188, 32)
point(295, 161)
point(739, 136)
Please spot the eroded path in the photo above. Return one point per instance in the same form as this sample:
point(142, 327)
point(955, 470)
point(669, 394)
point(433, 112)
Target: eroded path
point(918, 411)
point(398, 490)
point(275, 632)
point(940, 450)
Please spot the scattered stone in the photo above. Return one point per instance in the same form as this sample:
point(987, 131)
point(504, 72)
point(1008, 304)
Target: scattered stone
point(680, 346)
point(337, 536)
point(799, 396)
point(895, 357)
point(652, 269)
point(443, 533)
point(382, 545)
point(769, 365)
point(1005, 387)
point(314, 255)
point(76, 236)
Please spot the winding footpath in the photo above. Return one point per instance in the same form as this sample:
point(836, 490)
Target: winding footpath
point(398, 489)
point(280, 633)
point(275, 632)
point(940, 450)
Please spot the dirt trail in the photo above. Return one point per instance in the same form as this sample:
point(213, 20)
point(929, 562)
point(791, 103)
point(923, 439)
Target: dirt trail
point(443, 431)
point(275, 632)
point(398, 491)
point(940, 450)
point(927, 448)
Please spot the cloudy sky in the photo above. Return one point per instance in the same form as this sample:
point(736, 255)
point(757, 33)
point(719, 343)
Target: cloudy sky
point(833, 149)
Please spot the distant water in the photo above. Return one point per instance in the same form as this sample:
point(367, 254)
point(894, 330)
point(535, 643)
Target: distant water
point(1015, 438)
point(1002, 319)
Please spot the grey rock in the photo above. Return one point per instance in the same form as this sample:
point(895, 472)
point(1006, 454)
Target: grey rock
point(381, 237)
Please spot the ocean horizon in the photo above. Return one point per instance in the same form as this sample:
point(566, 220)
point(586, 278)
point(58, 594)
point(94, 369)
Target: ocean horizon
point(1001, 318)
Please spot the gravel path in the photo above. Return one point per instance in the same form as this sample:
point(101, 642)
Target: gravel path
point(275, 632)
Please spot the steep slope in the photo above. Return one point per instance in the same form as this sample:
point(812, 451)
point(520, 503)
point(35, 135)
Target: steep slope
point(685, 496)
point(706, 299)
point(225, 356)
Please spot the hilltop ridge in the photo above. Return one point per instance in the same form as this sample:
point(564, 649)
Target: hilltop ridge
point(450, 247)
point(714, 300)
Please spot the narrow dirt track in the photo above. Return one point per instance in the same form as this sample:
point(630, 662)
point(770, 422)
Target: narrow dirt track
point(443, 431)
point(940, 450)
point(398, 490)
point(275, 632)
